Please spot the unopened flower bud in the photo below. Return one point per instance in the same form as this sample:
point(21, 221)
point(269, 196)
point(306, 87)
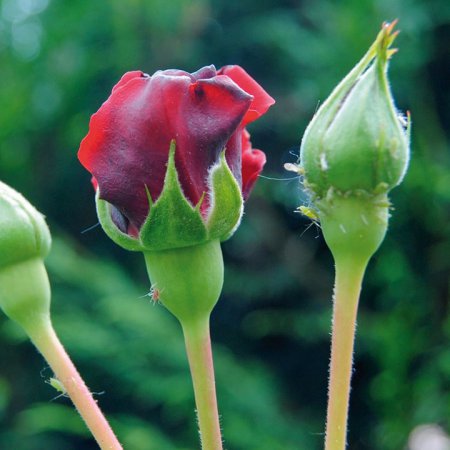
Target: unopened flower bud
point(23, 231)
point(354, 151)
point(358, 141)
point(24, 242)
point(170, 156)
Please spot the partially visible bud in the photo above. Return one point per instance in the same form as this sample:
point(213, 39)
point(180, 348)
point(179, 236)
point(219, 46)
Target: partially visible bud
point(24, 242)
point(23, 231)
point(358, 141)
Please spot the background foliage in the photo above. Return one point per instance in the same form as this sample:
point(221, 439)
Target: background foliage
point(58, 62)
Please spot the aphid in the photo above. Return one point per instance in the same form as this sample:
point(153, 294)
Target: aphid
point(310, 213)
point(154, 294)
point(294, 168)
point(58, 386)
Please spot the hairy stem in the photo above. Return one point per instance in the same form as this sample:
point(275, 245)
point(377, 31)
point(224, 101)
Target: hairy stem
point(45, 339)
point(349, 275)
point(198, 347)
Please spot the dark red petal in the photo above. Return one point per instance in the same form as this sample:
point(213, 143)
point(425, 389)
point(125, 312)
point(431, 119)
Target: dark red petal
point(204, 73)
point(215, 110)
point(253, 161)
point(128, 142)
point(127, 77)
point(122, 223)
point(173, 72)
point(233, 154)
point(262, 101)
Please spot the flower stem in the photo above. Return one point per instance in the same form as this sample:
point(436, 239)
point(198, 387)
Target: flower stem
point(198, 347)
point(45, 339)
point(349, 276)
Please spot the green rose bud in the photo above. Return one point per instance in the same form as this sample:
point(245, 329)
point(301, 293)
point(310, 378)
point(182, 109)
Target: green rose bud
point(354, 151)
point(23, 231)
point(357, 141)
point(24, 242)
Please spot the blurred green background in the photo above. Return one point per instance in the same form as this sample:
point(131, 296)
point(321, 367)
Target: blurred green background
point(58, 63)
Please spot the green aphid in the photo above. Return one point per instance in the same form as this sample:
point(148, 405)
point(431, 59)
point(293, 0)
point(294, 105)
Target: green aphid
point(58, 386)
point(309, 212)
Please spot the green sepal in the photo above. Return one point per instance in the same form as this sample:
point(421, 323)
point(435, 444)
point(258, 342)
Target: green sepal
point(226, 200)
point(110, 228)
point(172, 221)
point(23, 232)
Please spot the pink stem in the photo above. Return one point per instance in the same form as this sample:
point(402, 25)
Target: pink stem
point(45, 339)
point(349, 276)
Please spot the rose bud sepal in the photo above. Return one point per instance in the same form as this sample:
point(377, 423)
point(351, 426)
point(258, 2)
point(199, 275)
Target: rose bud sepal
point(173, 222)
point(226, 200)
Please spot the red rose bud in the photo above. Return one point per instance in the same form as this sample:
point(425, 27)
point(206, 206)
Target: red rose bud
point(170, 156)
point(354, 151)
point(24, 242)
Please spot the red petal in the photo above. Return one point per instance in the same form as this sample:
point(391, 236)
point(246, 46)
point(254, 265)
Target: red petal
point(253, 161)
point(204, 72)
point(127, 77)
point(262, 101)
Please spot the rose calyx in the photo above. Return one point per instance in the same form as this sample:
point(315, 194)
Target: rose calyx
point(172, 221)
